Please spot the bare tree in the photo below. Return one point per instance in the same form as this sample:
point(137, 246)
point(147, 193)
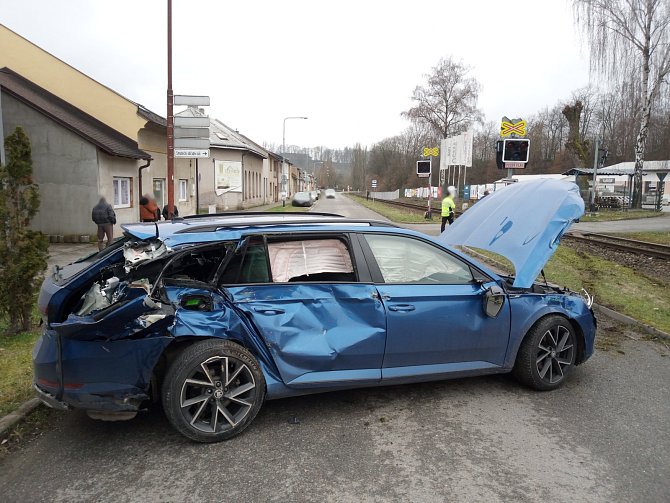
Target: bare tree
point(634, 35)
point(575, 144)
point(448, 101)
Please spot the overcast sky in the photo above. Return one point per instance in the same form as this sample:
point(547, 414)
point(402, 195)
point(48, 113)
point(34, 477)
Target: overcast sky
point(350, 66)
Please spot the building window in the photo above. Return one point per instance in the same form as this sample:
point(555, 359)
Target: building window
point(122, 192)
point(183, 186)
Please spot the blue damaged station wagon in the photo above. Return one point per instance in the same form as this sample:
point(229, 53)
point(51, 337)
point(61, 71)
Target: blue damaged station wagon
point(211, 315)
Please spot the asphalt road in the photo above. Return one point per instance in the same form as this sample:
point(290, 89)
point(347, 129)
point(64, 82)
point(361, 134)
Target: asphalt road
point(605, 436)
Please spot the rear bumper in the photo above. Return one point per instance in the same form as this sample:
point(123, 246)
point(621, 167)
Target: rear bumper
point(95, 375)
point(50, 400)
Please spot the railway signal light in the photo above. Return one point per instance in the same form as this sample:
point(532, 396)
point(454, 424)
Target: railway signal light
point(516, 150)
point(423, 168)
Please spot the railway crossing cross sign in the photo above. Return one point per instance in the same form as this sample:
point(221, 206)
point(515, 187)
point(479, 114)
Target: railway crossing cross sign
point(431, 151)
point(512, 127)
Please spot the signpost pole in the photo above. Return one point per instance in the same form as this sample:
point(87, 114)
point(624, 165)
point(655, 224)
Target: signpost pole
point(430, 190)
point(197, 188)
point(170, 116)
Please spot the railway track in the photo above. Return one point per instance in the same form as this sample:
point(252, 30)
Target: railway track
point(419, 208)
point(623, 244)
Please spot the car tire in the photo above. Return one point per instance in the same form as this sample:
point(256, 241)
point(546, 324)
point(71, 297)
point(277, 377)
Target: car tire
point(213, 390)
point(547, 354)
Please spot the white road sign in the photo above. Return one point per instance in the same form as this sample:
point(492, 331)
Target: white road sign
point(191, 132)
point(196, 101)
point(191, 121)
point(192, 143)
point(457, 150)
point(190, 153)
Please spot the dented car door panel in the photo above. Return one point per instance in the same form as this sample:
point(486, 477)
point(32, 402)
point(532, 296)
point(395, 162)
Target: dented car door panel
point(318, 333)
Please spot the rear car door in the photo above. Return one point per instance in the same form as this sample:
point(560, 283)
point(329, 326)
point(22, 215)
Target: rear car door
point(314, 305)
point(435, 317)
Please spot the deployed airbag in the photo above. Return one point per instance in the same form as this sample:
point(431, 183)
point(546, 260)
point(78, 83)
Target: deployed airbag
point(293, 259)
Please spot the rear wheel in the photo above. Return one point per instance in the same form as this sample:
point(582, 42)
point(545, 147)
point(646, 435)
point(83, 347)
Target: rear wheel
point(213, 390)
point(547, 354)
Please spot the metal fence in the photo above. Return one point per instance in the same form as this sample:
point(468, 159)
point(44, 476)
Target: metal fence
point(386, 196)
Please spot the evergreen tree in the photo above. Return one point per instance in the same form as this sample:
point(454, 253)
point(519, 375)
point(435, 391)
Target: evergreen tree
point(23, 252)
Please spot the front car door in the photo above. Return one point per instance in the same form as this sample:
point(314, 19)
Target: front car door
point(317, 311)
point(435, 317)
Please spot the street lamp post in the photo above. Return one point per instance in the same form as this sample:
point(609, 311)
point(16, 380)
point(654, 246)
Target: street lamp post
point(283, 160)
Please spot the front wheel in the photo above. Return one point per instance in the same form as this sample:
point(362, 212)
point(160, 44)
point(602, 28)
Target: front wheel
point(213, 390)
point(547, 354)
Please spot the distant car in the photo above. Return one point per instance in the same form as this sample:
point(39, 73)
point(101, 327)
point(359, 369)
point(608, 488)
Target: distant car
point(314, 194)
point(330, 193)
point(211, 315)
point(302, 199)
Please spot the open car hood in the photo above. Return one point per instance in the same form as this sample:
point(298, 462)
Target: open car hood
point(522, 222)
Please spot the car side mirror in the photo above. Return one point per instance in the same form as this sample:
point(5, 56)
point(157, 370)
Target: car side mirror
point(494, 299)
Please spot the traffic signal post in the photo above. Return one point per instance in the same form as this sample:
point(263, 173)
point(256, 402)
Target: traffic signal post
point(424, 170)
point(512, 151)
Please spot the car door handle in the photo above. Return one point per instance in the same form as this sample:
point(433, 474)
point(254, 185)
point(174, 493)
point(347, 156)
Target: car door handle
point(268, 310)
point(402, 307)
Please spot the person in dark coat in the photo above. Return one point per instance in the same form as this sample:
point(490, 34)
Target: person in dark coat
point(165, 212)
point(105, 218)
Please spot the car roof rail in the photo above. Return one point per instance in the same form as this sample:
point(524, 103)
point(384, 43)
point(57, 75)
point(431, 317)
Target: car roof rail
point(258, 213)
point(215, 226)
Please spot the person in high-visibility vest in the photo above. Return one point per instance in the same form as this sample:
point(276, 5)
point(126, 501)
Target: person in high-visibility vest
point(448, 207)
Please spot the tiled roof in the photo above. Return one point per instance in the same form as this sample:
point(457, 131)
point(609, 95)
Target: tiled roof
point(91, 129)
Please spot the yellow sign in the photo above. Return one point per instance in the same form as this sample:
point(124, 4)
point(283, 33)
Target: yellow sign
point(513, 127)
point(431, 152)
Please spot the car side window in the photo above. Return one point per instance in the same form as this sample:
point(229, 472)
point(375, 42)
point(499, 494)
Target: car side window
point(248, 266)
point(291, 261)
point(406, 260)
point(255, 265)
point(313, 260)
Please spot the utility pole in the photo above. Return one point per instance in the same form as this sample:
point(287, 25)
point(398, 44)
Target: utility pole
point(595, 170)
point(170, 116)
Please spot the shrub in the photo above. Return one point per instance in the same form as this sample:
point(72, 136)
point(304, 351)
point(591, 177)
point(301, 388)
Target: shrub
point(23, 252)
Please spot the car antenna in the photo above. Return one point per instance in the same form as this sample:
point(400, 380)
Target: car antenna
point(544, 277)
point(157, 233)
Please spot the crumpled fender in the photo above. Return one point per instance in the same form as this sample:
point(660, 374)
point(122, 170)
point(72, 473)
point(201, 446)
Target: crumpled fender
point(527, 309)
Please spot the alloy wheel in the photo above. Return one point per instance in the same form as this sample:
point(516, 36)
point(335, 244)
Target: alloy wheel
point(218, 394)
point(555, 353)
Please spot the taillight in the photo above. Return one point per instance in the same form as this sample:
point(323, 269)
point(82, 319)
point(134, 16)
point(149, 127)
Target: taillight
point(54, 385)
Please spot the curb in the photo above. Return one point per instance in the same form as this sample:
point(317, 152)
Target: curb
point(19, 414)
point(622, 318)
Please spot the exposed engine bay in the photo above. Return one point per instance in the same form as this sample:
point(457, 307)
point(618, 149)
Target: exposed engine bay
point(547, 289)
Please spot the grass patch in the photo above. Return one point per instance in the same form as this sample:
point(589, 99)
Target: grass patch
point(613, 285)
point(395, 213)
point(16, 370)
point(289, 209)
point(611, 215)
point(662, 237)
